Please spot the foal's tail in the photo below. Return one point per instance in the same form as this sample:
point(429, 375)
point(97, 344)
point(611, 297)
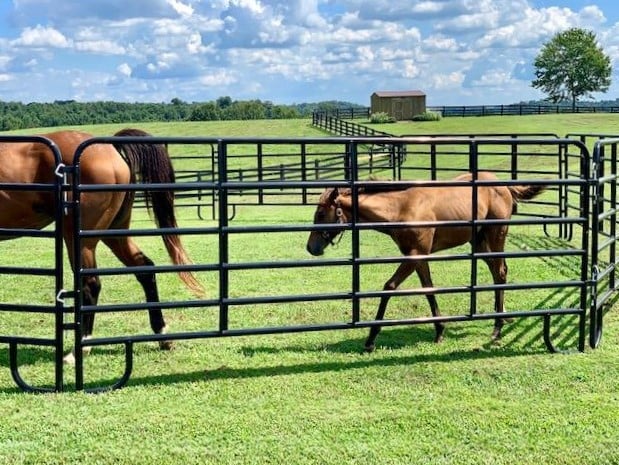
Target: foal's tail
point(525, 192)
point(150, 163)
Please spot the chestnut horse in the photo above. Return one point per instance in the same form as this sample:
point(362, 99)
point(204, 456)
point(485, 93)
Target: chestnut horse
point(427, 204)
point(29, 162)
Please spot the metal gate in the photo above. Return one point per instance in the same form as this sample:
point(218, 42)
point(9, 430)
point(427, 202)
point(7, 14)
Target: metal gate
point(604, 234)
point(49, 278)
point(572, 188)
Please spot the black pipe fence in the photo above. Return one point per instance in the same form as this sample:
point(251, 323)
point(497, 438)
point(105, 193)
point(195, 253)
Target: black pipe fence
point(581, 291)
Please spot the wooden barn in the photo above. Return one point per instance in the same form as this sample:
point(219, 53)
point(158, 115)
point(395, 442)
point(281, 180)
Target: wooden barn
point(401, 105)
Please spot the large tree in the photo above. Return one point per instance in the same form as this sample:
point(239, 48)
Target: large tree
point(572, 65)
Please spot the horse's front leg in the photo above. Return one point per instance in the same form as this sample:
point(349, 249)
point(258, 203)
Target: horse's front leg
point(91, 288)
point(404, 271)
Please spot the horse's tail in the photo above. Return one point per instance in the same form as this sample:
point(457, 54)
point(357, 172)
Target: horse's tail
point(151, 164)
point(525, 192)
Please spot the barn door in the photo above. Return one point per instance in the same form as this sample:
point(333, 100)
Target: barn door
point(398, 109)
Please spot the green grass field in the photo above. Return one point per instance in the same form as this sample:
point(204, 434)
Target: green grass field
point(315, 398)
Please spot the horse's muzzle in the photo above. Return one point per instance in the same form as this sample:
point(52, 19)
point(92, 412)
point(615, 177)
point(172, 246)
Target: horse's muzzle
point(315, 245)
point(315, 249)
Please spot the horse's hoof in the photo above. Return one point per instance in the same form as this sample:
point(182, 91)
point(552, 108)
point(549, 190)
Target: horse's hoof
point(166, 345)
point(368, 349)
point(438, 339)
point(496, 335)
point(69, 359)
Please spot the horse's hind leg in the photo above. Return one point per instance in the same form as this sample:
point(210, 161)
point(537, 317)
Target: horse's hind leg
point(423, 270)
point(403, 272)
point(130, 255)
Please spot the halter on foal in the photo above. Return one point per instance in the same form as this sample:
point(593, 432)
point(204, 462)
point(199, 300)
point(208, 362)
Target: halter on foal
point(427, 204)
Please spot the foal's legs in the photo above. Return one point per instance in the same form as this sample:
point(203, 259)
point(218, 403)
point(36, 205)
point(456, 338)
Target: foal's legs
point(494, 241)
point(423, 270)
point(404, 271)
point(130, 255)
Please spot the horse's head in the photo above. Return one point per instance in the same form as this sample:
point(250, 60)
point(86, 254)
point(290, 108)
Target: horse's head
point(328, 211)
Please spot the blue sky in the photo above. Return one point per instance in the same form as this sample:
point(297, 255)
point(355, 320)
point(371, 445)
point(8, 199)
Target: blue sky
point(460, 52)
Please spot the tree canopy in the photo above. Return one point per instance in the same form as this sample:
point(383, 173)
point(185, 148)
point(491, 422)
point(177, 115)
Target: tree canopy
point(17, 115)
point(572, 65)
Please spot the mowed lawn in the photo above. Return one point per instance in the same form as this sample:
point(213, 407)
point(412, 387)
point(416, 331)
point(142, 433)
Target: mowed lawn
point(316, 398)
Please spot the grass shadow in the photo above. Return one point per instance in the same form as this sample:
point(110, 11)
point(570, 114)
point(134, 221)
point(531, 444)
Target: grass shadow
point(361, 362)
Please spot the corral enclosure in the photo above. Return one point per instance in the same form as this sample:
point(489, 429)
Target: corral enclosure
point(246, 208)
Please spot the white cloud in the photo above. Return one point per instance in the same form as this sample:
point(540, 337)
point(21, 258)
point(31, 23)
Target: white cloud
point(440, 43)
point(534, 26)
point(181, 8)
point(40, 36)
point(219, 78)
point(493, 78)
point(124, 69)
point(447, 81)
point(102, 47)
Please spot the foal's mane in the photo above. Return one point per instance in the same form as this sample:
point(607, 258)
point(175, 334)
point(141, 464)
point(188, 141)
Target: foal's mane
point(383, 185)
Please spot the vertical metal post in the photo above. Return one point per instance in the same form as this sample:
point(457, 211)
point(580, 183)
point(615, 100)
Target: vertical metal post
point(213, 174)
point(587, 189)
point(595, 322)
point(565, 230)
point(60, 184)
point(259, 162)
point(351, 151)
point(514, 167)
point(77, 276)
point(613, 217)
point(223, 235)
point(433, 161)
point(303, 172)
point(473, 154)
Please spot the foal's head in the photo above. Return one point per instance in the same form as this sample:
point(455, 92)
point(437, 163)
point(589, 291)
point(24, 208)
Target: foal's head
point(328, 211)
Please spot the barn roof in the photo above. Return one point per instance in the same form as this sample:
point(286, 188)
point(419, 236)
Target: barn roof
point(399, 93)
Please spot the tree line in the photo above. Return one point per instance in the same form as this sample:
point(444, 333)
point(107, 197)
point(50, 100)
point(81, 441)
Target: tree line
point(17, 115)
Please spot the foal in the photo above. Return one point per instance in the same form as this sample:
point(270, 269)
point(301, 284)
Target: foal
point(427, 204)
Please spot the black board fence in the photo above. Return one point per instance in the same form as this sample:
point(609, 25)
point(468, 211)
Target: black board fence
point(479, 110)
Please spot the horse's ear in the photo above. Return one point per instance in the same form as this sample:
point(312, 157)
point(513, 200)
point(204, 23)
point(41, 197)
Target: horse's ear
point(333, 195)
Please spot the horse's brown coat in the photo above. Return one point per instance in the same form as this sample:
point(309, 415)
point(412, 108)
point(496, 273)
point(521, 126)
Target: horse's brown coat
point(28, 162)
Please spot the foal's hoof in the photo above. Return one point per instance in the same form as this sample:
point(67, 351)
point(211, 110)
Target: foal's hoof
point(166, 345)
point(368, 349)
point(496, 335)
point(69, 359)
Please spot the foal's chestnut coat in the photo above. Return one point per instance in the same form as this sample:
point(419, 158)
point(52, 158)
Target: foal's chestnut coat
point(428, 204)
